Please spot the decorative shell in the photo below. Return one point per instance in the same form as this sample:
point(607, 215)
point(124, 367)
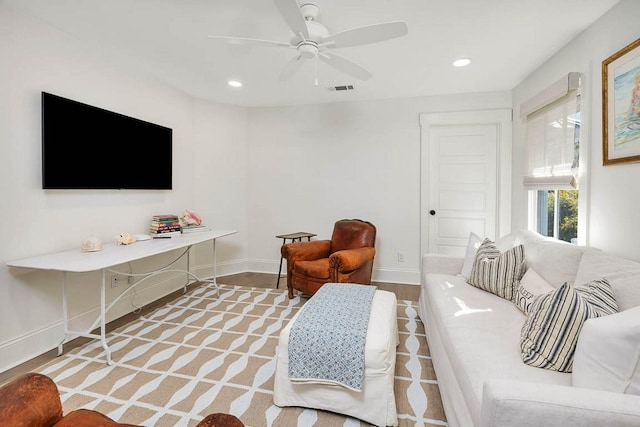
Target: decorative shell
point(190, 218)
point(92, 244)
point(125, 239)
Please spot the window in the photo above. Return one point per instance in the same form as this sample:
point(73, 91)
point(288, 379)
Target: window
point(556, 213)
point(553, 145)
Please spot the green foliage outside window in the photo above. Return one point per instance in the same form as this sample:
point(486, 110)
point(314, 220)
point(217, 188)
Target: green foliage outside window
point(568, 213)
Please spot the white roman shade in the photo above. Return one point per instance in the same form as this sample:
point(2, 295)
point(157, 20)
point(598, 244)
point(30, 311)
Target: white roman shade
point(553, 126)
point(551, 182)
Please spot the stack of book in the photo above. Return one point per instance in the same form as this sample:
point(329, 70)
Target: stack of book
point(165, 226)
point(194, 228)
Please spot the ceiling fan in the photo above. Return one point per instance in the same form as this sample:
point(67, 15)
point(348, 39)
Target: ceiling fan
point(313, 41)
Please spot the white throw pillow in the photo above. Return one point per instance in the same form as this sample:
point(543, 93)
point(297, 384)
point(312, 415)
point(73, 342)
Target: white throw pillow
point(608, 353)
point(531, 286)
point(470, 255)
point(505, 242)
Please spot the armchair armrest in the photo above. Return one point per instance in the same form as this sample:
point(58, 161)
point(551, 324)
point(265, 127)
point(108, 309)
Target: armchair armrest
point(351, 259)
point(306, 251)
point(220, 419)
point(442, 264)
point(524, 404)
point(31, 399)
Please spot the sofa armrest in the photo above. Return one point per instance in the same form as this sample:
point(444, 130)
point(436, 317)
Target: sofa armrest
point(524, 404)
point(441, 264)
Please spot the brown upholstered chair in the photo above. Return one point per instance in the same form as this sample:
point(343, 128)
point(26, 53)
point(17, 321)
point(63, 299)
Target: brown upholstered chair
point(33, 400)
point(346, 258)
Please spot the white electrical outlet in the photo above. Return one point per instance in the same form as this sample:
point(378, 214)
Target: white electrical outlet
point(400, 256)
point(115, 281)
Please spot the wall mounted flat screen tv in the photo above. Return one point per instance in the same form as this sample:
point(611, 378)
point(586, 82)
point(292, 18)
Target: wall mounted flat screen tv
point(86, 147)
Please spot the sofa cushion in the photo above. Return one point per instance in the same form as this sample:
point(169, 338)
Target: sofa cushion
point(531, 285)
point(555, 261)
point(550, 333)
point(623, 276)
point(496, 272)
point(608, 353)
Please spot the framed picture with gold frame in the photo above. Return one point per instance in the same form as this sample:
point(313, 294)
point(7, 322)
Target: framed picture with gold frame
point(621, 106)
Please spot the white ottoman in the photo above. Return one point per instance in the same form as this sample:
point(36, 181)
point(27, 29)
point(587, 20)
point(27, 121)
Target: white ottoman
point(376, 402)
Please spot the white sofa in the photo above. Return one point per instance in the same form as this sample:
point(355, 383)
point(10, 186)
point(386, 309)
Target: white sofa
point(474, 339)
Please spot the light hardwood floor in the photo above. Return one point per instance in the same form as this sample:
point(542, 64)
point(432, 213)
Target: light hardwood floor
point(258, 280)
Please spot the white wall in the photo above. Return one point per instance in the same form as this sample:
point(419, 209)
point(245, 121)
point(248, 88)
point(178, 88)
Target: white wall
point(610, 215)
point(209, 155)
point(312, 165)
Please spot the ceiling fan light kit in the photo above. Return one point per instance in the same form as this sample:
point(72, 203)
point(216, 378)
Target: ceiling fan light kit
point(313, 41)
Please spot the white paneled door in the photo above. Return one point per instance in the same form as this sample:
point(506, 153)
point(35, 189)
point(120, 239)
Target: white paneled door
point(465, 178)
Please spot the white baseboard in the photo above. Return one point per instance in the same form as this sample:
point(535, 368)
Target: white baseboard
point(25, 347)
point(266, 266)
point(396, 275)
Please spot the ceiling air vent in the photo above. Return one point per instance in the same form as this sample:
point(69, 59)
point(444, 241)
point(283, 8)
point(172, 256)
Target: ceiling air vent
point(340, 88)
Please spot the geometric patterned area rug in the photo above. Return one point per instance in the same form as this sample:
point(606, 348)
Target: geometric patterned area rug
point(210, 351)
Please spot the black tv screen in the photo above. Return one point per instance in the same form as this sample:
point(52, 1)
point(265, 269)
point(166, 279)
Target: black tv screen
point(86, 147)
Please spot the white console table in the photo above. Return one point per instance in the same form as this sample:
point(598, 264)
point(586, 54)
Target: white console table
point(76, 261)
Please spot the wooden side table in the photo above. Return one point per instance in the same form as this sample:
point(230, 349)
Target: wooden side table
point(293, 237)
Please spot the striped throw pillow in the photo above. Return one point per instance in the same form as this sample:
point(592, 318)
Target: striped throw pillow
point(495, 272)
point(550, 333)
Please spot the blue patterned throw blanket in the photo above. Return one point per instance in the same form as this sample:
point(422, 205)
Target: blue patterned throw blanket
point(327, 339)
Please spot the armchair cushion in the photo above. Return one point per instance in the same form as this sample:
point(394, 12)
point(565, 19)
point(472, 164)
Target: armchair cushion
point(319, 268)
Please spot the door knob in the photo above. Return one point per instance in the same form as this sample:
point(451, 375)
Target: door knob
point(432, 212)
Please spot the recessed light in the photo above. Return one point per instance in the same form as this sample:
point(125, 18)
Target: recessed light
point(234, 83)
point(461, 62)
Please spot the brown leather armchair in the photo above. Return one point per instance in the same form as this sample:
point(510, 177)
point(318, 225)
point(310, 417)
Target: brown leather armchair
point(346, 258)
point(33, 400)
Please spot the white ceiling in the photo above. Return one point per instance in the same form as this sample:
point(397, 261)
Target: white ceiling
point(506, 39)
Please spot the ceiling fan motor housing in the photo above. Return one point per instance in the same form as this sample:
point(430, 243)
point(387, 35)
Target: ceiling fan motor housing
point(308, 48)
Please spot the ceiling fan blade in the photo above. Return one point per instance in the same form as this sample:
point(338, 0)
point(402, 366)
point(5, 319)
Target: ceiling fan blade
point(344, 65)
point(368, 34)
point(291, 68)
point(292, 15)
point(245, 41)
